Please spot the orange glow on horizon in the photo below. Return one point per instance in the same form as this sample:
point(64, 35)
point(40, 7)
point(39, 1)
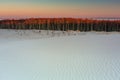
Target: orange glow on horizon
point(60, 11)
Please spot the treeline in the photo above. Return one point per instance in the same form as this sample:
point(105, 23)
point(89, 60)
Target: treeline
point(62, 24)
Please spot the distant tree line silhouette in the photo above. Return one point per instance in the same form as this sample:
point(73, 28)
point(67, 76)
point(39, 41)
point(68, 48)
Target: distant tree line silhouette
point(62, 24)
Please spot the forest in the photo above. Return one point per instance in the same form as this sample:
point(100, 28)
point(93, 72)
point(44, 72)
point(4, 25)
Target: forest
point(61, 24)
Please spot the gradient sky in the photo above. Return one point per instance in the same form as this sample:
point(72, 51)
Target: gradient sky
point(59, 8)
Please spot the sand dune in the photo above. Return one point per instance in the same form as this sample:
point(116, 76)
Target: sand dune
point(75, 56)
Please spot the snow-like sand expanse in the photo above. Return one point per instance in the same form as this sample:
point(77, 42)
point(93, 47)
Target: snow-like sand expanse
point(86, 56)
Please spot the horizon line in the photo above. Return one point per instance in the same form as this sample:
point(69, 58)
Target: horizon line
point(96, 18)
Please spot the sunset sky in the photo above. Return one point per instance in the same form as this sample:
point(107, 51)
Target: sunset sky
point(59, 8)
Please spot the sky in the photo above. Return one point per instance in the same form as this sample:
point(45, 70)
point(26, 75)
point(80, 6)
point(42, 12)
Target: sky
point(59, 8)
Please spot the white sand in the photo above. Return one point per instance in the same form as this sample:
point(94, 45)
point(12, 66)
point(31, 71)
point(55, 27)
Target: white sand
point(86, 56)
